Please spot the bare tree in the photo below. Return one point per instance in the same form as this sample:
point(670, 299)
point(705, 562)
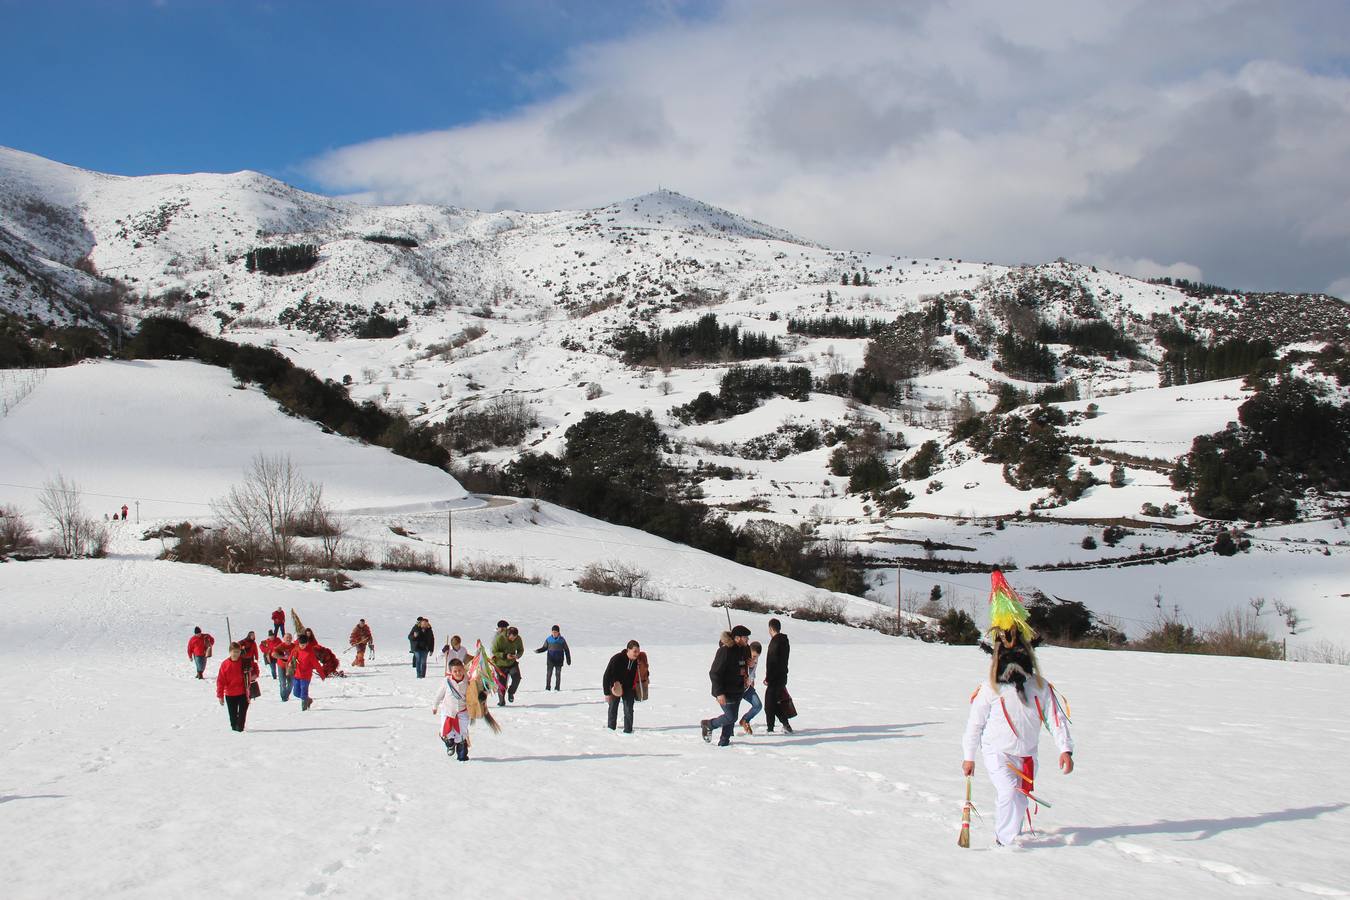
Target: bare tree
point(14, 531)
point(60, 499)
point(264, 508)
point(325, 523)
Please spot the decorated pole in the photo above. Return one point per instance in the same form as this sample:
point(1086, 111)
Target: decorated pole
point(963, 839)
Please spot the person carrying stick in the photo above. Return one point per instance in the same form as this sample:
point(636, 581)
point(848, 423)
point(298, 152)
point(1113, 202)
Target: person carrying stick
point(1007, 713)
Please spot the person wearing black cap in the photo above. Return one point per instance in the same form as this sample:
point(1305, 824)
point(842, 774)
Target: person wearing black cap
point(728, 682)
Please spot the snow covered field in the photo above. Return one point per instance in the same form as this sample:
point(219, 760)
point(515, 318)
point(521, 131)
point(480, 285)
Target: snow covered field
point(1197, 777)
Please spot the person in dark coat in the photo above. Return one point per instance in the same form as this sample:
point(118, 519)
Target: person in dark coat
point(620, 683)
point(728, 682)
point(775, 674)
point(422, 642)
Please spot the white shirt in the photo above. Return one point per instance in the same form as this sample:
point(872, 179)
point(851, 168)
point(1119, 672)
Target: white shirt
point(1001, 722)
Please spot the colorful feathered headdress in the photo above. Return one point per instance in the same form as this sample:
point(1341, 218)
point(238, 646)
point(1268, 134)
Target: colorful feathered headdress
point(1006, 612)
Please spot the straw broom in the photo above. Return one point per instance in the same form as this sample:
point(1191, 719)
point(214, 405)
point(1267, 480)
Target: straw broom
point(963, 839)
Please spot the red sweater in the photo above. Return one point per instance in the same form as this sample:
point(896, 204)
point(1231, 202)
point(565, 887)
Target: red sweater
point(282, 653)
point(306, 663)
point(198, 644)
point(230, 681)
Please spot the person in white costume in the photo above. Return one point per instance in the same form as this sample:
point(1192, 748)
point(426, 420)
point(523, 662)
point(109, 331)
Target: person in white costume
point(454, 693)
point(1008, 712)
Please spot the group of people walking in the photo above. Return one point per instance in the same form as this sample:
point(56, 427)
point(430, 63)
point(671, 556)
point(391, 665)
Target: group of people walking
point(734, 671)
point(293, 663)
point(1006, 713)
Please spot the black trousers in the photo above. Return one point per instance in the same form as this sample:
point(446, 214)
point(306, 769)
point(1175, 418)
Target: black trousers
point(511, 677)
point(773, 693)
point(553, 667)
point(627, 712)
point(238, 709)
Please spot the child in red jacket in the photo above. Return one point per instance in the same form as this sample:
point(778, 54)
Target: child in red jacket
point(232, 686)
point(304, 663)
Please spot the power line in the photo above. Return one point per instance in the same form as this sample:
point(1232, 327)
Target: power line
point(29, 487)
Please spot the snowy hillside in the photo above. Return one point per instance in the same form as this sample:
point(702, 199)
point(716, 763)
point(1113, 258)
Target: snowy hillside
point(528, 309)
point(176, 435)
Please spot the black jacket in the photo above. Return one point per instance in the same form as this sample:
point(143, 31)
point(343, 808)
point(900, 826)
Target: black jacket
point(728, 670)
point(776, 660)
point(624, 671)
point(422, 639)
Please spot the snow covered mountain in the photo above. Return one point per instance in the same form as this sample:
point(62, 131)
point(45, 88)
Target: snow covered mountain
point(530, 308)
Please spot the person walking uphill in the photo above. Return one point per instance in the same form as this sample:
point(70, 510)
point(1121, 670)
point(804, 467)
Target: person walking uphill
point(775, 675)
point(265, 647)
point(361, 639)
point(422, 640)
point(282, 653)
point(1008, 711)
point(304, 663)
point(556, 647)
point(232, 681)
point(728, 682)
point(620, 684)
point(454, 693)
point(199, 649)
point(507, 649)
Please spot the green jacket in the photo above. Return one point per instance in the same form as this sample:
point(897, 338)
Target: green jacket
point(502, 645)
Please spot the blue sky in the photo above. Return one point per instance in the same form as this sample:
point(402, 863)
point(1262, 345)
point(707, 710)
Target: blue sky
point(1202, 140)
point(137, 87)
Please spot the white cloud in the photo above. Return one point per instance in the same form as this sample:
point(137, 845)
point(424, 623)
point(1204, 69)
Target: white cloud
point(1143, 268)
point(983, 130)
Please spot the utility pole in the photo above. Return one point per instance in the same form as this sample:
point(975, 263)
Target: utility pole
point(450, 541)
point(899, 620)
point(138, 512)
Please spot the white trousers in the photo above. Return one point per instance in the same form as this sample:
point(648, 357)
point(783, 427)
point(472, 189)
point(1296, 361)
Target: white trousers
point(1010, 809)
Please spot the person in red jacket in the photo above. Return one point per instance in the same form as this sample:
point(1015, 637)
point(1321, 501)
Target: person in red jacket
point(305, 662)
point(279, 621)
point(282, 653)
point(248, 648)
point(265, 647)
point(199, 648)
point(232, 686)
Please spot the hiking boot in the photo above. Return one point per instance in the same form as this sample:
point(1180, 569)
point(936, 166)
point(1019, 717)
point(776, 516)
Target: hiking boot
point(449, 746)
point(462, 751)
point(746, 725)
point(706, 730)
point(787, 727)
